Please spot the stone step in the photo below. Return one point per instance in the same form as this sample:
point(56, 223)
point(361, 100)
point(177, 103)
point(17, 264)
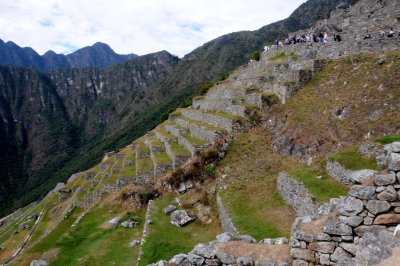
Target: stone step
point(154, 144)
point(201, 130)
point(191, 143)
point(232, 106)
point(178, 153)
point(230, 123)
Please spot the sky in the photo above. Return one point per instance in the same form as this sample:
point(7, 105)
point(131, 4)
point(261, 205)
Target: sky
point(133, 26)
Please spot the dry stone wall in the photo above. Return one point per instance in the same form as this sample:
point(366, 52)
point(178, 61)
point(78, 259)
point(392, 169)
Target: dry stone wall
point(359, 230)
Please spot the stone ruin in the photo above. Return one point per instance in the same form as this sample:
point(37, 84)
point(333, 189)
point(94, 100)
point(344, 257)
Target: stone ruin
point(357, 229)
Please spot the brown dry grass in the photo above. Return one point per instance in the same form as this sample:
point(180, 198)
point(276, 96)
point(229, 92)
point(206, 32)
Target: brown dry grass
point(255, 251)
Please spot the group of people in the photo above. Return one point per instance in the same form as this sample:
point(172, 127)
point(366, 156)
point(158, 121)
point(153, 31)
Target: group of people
point(381, 34)
point(323, 37)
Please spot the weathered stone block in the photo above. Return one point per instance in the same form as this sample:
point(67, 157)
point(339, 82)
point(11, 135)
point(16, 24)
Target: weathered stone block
point(387, 219)
point(350, 206)
point(225, 258)
point(384, 179)
point(389, 194)
point(340, 253)
point(362, 192)
point(368, 220)
point(334, 227)
point(244, 261)
point(300, 263)
point(352, 221)
point(349, 247)
point(394, 162)
point(377, 206)
point(323, 247)
point(303, 236)
point(375, 229)
point(303, 254)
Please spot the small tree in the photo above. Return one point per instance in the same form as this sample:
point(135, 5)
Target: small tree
point(256, 55)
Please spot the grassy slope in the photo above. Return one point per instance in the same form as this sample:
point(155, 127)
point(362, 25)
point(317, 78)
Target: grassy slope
point(165, 240)
point(351, 83)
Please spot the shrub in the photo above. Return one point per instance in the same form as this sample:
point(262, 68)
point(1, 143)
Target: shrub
point(210, 170)
point(256, 55)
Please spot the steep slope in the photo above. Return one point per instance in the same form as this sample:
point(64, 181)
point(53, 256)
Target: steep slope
point(48, 119)
point(98, 55)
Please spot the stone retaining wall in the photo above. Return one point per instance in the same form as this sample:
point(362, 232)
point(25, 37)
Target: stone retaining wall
point(359, 230)
point(226, 221)
point(226, 123)
point(199, 131)
point(296, 195)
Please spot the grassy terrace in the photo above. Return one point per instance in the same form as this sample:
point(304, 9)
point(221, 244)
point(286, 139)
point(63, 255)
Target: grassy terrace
point(142, 148)
point(165, 240)
point(165, 133)
point(353, 160)
point(157, 143)
point(204, 125)
point(225, 115)
point(162, 158)
point(387, 139)
point(195, 141)
point(89, 243)
point(144, 164)
point(178, 149)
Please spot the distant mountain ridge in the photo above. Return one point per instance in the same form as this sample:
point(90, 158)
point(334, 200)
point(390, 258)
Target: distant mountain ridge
point(98, 55)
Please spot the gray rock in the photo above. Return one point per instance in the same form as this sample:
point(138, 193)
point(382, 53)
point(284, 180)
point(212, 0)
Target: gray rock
point(361, 175)
point(375, 229)
point(323, 247)
point(352, 221)
point(348, 262)
point(336, 238)
point(169, 209)
point(362, 192)
point(325, 259)
point(180, 218)
point(180, 259)
point(377, 206)
point(265, 262)
point(394, 162)
point(302, 254)
point(274, 241)
point(247, 239)
point(334, 227)
point(134, 243)
point(39, 263)
point(244, 261)
point(294, 243)
point(380, 189)
point(392, 147)
point(195, 259)
point(389, 194)
point(303, 236)
point(300, 263)
point(224, 237)
point(115, 221)
point(323, 237)
point(128, 224)
point(340, 254)
point(205, 250)
point(384, 179)
point(225, 258)
point(368, 220)
point(349, 247)
point(350, 206)
point(374, 248)
point(388, 219)
point(213, 262)
point(348, 238)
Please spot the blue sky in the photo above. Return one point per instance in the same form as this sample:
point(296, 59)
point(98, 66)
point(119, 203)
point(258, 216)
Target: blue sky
point(132, 26)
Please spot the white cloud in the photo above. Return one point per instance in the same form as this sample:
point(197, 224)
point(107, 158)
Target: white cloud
point(138, 26)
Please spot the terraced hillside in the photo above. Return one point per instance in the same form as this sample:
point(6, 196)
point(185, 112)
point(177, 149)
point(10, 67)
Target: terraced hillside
point(219, 160)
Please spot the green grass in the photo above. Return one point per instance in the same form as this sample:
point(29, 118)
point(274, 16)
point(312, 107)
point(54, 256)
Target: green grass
point(205, 125)
point(252, 198)
point(90, 244)
point(387, 139)
point(279, 56)
point(165, 240)
point(353, 160)
point(195, 141)
point(165, 133)
point(144, 164)
point(142, 148)
point(178, 149)
point(157, 143)
point(322, 189)
point(162, 158)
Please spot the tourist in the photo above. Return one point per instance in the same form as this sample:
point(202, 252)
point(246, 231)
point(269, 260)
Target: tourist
point(325, 37)
point(391, 33)
point(321, 37)
point(381, 34)
point(314, 37)
point(338, 38)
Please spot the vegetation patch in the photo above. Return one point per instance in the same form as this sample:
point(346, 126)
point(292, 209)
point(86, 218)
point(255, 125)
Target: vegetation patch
point(387, 139)
point(353, 160)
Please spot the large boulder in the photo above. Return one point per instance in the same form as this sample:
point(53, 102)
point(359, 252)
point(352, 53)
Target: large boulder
point(352, 221)
point(394, 162)
point(169, 209)
point(180, 218)
point(361, 176)
point(362, 192)
point(389, 194)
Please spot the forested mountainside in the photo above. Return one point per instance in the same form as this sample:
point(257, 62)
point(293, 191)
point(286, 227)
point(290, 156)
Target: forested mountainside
point(103, 110)
point(98, 55)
